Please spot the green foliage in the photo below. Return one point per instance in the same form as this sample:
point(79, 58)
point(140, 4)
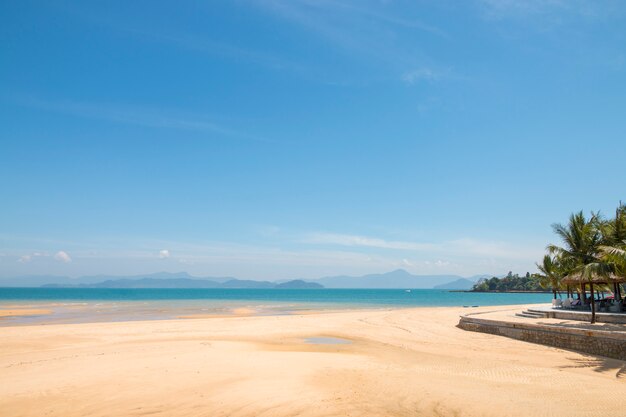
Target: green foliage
point(591, 248)
point(551, 271)
point(512, 282)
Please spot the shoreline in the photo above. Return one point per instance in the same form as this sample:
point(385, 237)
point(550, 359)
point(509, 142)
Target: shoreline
point(504, 292)
point(55, 313)
point(80, 305)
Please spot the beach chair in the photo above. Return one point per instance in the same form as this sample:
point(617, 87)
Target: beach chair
point(567, 303)
point(557, 303)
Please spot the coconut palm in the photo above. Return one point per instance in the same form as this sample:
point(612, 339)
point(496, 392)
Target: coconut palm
point(614, 230)
point(615, 255)
point(613, 249)
point(551, 274)
point(582, 239)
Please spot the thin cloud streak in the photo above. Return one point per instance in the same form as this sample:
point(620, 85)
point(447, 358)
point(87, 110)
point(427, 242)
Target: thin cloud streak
point(533, 9)
point(322, 254)
point(357, 30)
point(456, 248)
point(210, 46)
point(394, 20)
point(364, 241)
point(133, 116)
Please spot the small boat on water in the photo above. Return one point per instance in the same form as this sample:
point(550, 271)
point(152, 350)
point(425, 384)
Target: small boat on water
point(407, 290)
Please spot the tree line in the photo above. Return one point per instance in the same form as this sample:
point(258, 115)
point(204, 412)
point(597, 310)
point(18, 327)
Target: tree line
point(591, 256)
point(511, 282)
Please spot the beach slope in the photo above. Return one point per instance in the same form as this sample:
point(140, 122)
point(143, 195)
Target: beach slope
point(355, 363)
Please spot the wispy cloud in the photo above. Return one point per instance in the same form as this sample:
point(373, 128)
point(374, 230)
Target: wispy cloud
point(184, 37)
point(237, 53)
point(557, 9)
point(138, 116)
point(507, 8)
point(462, 247)
point(359, 28)
point(364, 241)
point(423, 74)
point(376, 12)
point(308, 256)
point(25, 259)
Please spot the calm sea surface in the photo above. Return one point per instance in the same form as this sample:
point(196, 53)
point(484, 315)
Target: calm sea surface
point(71, 305)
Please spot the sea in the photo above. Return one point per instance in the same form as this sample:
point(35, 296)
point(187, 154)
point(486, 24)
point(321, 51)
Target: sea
point(75, 305)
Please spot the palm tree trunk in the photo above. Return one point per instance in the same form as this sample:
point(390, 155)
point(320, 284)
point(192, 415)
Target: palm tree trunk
point(593, 304)
point(583, 293)
point(554, 293)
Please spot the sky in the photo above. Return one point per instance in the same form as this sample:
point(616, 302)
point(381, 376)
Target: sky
point(300, 138)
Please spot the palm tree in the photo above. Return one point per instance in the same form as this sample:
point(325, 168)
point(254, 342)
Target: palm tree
point(581, 249)
point(614, 230)
point(613, 249)
point(616, 255)
point(551, 274)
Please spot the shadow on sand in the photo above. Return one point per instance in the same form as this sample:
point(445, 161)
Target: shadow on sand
point(599, 364)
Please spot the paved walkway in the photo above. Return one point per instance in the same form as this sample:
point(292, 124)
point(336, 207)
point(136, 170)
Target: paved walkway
point(508, 315)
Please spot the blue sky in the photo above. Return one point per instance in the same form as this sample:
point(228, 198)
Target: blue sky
point(282, 139)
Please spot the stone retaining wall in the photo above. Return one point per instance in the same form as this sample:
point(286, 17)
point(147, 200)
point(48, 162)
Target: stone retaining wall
point(596, 342)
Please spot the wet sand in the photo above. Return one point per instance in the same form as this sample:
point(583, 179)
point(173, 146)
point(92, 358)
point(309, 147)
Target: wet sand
point(389, 363)
point(23, 312)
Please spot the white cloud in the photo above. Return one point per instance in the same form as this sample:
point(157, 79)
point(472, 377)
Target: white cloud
point(62, 257)
point(25, 259)
point(421, 74)
point(310, 255)
point(28, 258)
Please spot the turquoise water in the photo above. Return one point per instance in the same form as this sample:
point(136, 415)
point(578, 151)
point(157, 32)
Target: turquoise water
point(77, 305)
point(349, 297)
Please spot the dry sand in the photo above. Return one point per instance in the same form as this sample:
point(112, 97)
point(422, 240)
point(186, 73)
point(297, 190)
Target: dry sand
point(400, 362)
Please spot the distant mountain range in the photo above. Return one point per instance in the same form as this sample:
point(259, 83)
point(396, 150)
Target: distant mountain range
point(394, 279)
point(399, 279)
point(189, 283)
point(459, 284)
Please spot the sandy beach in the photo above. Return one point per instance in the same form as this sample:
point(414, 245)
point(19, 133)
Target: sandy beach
point(372, 363)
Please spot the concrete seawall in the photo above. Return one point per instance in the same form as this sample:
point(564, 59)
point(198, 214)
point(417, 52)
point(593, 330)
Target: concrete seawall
point(595, 342)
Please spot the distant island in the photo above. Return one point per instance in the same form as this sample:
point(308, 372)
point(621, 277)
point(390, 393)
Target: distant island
point(191, 283)
point(510, 283)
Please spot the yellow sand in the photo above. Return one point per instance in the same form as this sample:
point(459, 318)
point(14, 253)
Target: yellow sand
point(411, 362)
